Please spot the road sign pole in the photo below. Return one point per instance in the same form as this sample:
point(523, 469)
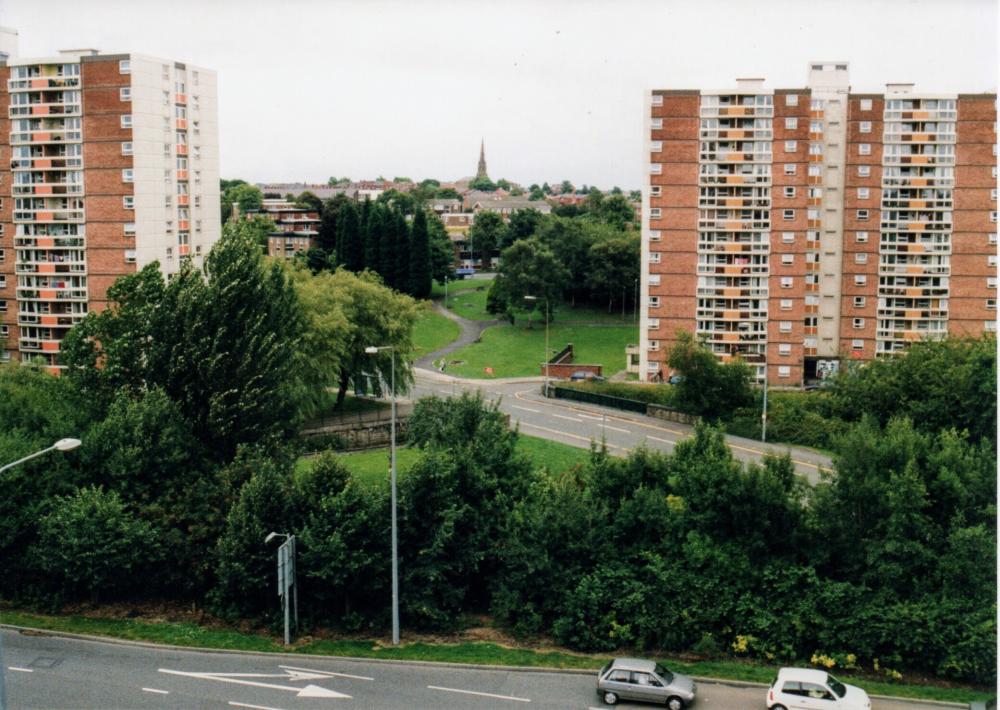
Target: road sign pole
point(295, 583)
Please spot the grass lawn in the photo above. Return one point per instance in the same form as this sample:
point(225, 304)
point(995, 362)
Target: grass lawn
point(514, 351)
point(470, 302)
point(372, 467)
point(220, 637)
point(466, 284)
point(433, 331)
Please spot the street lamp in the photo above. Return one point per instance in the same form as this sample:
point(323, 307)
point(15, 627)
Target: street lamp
point(373, 350)
point(763, 414)
point(61, 445)
point(546, 361)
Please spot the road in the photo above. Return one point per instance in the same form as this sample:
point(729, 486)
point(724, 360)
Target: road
point(577, 423)
point(52, 673)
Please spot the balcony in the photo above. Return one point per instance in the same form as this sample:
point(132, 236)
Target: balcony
point(47, 163)
point(45, 189)
point(58, 215)
point(36, 83)
point(53, 109)
point(49, 135)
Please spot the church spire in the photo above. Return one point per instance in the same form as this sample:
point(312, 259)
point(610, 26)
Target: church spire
point(481, 169)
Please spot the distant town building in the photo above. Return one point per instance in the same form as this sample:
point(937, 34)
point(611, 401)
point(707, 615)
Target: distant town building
point(444, 205)
point(113, 165)
point(507, 205)
point(295, 228)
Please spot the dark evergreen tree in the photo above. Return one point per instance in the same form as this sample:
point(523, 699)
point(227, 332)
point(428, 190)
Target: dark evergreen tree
point(327, 239)
point(373, 237)
point(387, 249)
point(420, 257)
point(402, 230)
point(351, 250)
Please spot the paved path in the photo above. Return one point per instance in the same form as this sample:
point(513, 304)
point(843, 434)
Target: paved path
point(471, 330)
point(61, 673)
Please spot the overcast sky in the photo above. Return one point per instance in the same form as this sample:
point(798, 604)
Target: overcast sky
point(367, 88)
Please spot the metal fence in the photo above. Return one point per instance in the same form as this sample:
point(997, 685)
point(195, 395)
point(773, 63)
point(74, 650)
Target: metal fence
point(630, 405)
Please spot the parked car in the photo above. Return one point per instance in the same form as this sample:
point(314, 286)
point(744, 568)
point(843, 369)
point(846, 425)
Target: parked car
point(675, 379)
point(796, 688)
point(638, 679)
point(586, 376)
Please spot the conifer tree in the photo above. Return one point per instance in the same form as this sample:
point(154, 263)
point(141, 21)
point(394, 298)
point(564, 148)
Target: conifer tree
point(387, 249)
point(402, 253)
point(373, 238)
point(351, 251)
point(420, 257)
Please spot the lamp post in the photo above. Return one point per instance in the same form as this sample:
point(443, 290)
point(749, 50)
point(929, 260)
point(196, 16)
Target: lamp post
point(763, 415)
point(374, 350)
point(446, 293)
point(61, 445)
point(547, 358)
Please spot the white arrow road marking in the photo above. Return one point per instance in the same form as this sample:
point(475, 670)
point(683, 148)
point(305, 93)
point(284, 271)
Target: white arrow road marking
point(485, 695)
point(309, 691)
point(154, 690)
point(325, 674)
point(247, 705)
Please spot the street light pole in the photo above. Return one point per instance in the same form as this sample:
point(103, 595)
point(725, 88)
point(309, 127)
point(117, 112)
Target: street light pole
point(763, 416)
point(372, 350)
point(61, 445)
point(547, 351)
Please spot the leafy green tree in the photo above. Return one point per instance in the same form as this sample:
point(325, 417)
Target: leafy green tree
point(402, 201)
point(566, 188)
point(223, 346)
point(546, 189)
point(315, 259)
point(91, 547)
point(486, 236)
point(335, 181)
point(503, 184)
point(529, 268)
point(246, 197)
point(447, 193)
point(571, 239)
point(614, 268)
point(329, 217)
point(617, 212)
point(350, 241)
point(521, 225)
point(484, 184)
point(309, 200)
point(616, 190)
point(635, 195)
point(442, 250)
point(708, 388)
point(536, 194)
point(420, 258)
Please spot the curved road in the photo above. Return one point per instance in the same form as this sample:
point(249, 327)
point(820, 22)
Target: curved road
point(578, 423)
point(53, 673)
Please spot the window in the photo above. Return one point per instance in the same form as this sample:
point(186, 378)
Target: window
point(129, 229)
point(991, 259)
point(128, 202)
point(993, 194)
point(654, 345)
point(788, 237)
point(654, 301)
point(791, 123)
point(816, 105)
point(657, 124)
point(991, 304)
point(655, 191)
point(860, 279)
point(657, 99)
point(789, 168)
point(993, 238)
point(787, 259)
point(858, 323)
point(194, 78)
point(863, 193)
point(787, 281)
point(857, 345)
point(654, 213)
point(990, 326)
point(125, 93)
point(816, 192)
point(861, 237)
point(791, 146)
point(3, 255)
point(866, 104)
point(4, 330)
point(654, 257)
point(785, 326)
point(791, 99)
point(124, 66)
point(128, 175)
point(127, 148)
point(126, 120)
point(865, 127)
point(166, 71)
point(130, 256)
point(784, 371)
point(864, 149)
point(864, 170)
point(170, 252)
point(860, 258)
point(812, 213)
point(815, 170)
point(655, 169)
point(784, 348)
point(993, 170)
point(786, 304)
point(862, 215)
point(815, 126)
point(654, 234)
point(653, 323)
point(654, 279)
point(993, 216)
point(789, 215)
point(789, 192)
point(991, 282)
point(196, 127)
point(656, 147)
point(859, 301)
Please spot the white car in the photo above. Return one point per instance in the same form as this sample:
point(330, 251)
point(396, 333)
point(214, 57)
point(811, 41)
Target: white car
point(810, 689)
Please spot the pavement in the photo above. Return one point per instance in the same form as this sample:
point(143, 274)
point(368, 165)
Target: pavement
point(55, 673)
point(579, 424)
point(471, 331)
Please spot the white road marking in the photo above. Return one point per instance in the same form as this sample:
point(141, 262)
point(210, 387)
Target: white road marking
point(526, 409)
point(155, 690)
point(327, 673)
point(485, 695)
point(614, 428)
point(662, 441)
point(591, 416)
point(247, 705)
point(569, 419)
point(309, 691)
point(19, 669)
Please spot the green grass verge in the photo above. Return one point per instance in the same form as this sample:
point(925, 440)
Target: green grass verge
point(433, 331)
point(470, 302)
point(372, 467)
point(192, 635)
point(651, 394)
point(466, 284)
point(515, 351)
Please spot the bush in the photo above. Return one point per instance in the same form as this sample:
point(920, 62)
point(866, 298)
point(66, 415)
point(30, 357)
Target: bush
point(90, 546)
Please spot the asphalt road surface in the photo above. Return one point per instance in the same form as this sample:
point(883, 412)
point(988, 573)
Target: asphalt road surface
point(52, 673)
point(578, 424)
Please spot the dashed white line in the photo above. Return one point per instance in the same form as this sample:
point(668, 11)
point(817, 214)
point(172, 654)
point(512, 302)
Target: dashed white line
point(330, 673)
point(662, 441)
point(526, 409)
point(247, 705)
point(569, 419)
point(156, 690)
point(484, 695)
point(590, 416)
point(19, 669)
point(614, 428)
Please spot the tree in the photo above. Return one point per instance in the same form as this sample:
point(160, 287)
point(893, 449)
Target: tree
point(529, 268)
point(635, 195)
point(350, 241)
point(245, 196)
point(566, 188)
point(373, 236)
point(485, 236)
point(447, 193)
point(546, 189)
point(503, 184)
point(521, 225)
point(402, 201)
point(420, 258)
point(387, 249)
point(315, 259)
point(617, 212)
point(334, 181)
point(329, 216)
point(536, 194)
point(614, 267)
point(708, 388)
point(442, 250)
point(223, 345)
point(484, 184)
point(309, 200)
point(401, 250)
